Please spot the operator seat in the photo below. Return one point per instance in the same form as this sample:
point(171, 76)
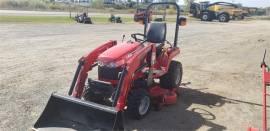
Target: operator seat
point(157, 34)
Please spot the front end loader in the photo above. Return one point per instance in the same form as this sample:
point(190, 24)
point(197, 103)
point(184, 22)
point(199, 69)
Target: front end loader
point(126, 85)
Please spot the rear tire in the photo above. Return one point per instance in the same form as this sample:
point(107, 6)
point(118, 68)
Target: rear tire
point(224, 17)
point(206, 17)
point(173, 77)
point(242, 17)
point(139, 103)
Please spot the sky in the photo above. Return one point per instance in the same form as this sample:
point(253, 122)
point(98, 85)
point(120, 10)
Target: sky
point(248, 3)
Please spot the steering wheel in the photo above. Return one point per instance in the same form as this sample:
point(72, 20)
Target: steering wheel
point(134, 36)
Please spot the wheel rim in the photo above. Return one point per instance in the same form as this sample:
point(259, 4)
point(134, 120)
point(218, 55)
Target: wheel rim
point(178, 78)
point(223, 18)
point(144, 105)
point(205, 17)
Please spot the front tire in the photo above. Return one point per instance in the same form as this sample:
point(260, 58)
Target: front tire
point(206, 16)
point(173, 77)
point(139, 103)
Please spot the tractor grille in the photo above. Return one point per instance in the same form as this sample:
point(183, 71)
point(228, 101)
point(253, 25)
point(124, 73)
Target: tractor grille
point(109, 73)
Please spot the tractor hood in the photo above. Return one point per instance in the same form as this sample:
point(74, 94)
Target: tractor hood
point(118, 53)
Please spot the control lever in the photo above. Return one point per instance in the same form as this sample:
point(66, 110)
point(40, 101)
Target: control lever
point(263, 61)
point(123, 38)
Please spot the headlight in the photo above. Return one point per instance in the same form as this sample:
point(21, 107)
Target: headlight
point(112, 65)
point(100, 63)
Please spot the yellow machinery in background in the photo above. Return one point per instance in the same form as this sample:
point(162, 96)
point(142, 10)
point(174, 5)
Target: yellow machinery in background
point(221, 11)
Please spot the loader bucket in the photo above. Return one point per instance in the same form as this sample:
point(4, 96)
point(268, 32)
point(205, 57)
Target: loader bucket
point(72, 114)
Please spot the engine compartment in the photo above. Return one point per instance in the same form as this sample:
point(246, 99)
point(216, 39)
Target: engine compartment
point(117, 55)
point(99, 92)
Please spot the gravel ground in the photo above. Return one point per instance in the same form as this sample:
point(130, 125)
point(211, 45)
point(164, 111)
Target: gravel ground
point(220, 60)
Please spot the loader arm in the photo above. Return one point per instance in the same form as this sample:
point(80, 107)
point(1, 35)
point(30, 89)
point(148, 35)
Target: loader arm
point(86, 64)
point(132, 65)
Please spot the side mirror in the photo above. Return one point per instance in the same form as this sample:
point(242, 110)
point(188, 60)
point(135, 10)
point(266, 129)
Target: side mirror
point(182, 21)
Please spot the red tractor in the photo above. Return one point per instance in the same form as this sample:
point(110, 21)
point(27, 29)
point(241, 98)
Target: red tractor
point(132, 76)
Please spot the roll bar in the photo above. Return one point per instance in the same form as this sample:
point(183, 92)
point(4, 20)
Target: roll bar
point(146, 19)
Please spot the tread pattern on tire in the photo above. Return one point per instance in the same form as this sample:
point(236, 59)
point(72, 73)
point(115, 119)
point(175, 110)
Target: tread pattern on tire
point(133, 103)
point(167, 81)
point(227, 17)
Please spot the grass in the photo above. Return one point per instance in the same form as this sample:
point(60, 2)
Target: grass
point(97, 6)
point(106, 19)
point(62, 19)
point(35, 19)
point(54, 19)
